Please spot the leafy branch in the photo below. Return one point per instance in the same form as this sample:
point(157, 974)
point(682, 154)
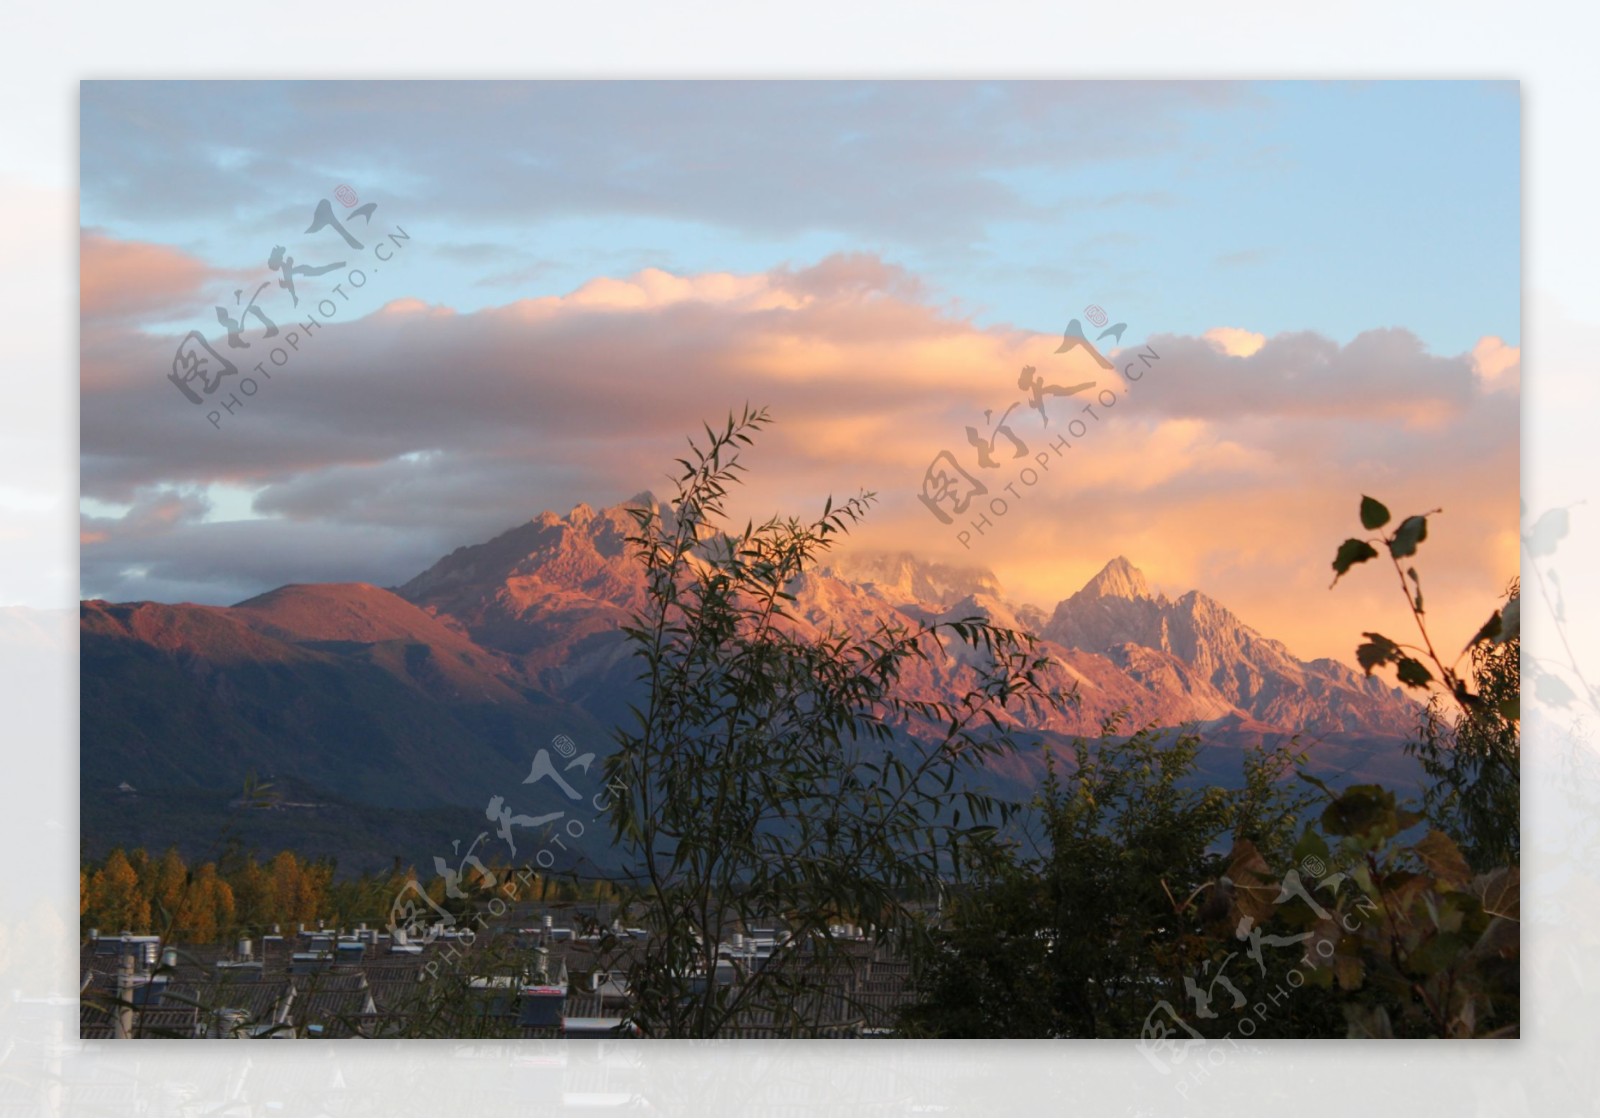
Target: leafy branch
point(1412, 670)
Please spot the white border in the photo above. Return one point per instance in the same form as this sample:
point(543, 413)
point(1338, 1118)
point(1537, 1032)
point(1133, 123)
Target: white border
point(47, 49)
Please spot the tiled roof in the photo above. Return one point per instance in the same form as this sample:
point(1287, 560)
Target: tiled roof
point(847, 985)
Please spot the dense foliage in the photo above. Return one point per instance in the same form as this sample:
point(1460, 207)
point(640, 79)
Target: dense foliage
point(1130, 921)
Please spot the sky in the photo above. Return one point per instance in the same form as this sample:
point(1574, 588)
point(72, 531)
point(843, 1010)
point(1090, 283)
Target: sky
point(541, 289)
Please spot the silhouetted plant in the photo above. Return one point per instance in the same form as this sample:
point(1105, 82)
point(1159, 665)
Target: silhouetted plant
point(775, 776)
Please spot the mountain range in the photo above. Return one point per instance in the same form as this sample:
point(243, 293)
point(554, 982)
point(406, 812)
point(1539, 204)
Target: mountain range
point(385, 719)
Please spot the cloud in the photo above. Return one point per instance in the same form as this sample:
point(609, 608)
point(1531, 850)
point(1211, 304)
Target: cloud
point(1229, 461)
point(1498, 364)
point(778, 158)
point(127, 278)
point(1234, 342)
point(1382, 374)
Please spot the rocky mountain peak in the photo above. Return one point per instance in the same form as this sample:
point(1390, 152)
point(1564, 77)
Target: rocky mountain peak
point(1117, 579)
point(902, 577)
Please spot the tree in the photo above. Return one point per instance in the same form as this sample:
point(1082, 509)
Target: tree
point(206, 912)
point(285, 872)
point(299, 889)
point(776, 777)
point(254, 895)
point(1105, 919)
point(115, 897)
point(1473, 758)
point(170, 878)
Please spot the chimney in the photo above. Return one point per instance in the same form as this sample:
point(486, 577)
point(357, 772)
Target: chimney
point(94, 935)
point(122, 1021)
point(277, 930)
point(169, 958)
point(242, 951)
point(284, 1002)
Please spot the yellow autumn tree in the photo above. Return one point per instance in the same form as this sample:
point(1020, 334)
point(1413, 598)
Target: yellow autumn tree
point(115, 899)
point(312, 895)
point(169, 880)
point(139, 859)
point(284, 870)
point(254, 896)
point(206, 911)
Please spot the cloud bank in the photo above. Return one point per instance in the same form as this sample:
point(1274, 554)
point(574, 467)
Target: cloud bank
point(1234, 464)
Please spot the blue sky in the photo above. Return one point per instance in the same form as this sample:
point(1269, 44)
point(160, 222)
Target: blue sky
point(1275, 206)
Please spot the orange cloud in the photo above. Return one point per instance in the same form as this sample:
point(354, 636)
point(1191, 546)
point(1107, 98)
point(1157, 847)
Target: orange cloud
point(1233, 342)
point(1499, 365)
point(117, 279)
point(1232, 465)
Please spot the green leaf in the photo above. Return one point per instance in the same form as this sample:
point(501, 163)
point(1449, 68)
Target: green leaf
point(1500, 891)
point(1413, 673)
point(1349, 971)
point(1412, 531)
point(1311, 852)
point(1375, 651)
point(1443, 858)
point(1416, 581)
point(1374, 514)
point(1360, 810)
point(1350, 553)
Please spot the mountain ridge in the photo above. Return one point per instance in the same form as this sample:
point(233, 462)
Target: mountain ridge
point(439, 690)
point(1192, 652)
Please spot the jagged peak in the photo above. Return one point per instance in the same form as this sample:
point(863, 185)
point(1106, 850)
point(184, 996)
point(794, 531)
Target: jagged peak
point(911, 578)
point(1117, 579)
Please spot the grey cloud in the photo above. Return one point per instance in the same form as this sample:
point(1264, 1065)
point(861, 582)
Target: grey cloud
point(1379, 373)
point(902, 159)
